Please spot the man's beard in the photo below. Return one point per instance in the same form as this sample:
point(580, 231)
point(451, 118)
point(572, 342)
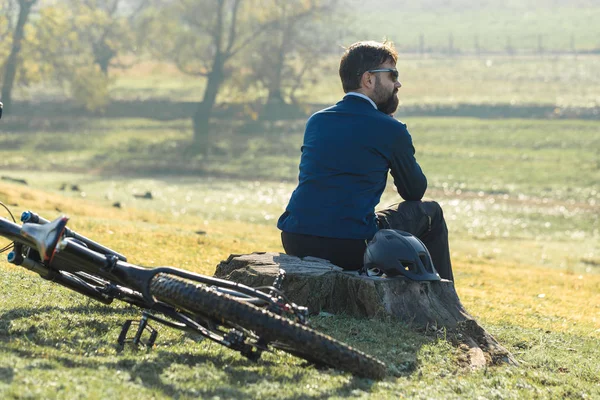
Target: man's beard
point(390, 105)
point(387, 105)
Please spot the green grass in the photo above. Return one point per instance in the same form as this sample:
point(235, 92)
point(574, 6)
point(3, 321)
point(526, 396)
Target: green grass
point(521, 198)
point(501, 182)
point(521, 82)
point(536, 158)
point(57, 344)
point(493, 23)
point(562, 82)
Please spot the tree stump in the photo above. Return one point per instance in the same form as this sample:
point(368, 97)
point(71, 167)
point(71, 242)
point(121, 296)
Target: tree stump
point(323, 286)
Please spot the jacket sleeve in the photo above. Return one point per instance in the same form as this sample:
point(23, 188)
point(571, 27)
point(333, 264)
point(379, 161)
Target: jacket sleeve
point(409, 179)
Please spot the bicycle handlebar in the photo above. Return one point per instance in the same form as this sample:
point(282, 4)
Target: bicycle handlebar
point(63, 250)
point(31, 217)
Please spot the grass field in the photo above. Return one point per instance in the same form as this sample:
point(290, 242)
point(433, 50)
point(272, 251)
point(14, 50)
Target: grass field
point(522, 202)
point(521, 198)
point(561, 82)
point(561, 25)
point(56, 344)
point(540, 158)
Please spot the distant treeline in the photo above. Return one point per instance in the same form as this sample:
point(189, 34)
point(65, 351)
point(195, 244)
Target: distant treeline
point(272, 47)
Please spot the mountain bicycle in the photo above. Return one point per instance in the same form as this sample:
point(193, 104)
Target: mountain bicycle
point(244, 319)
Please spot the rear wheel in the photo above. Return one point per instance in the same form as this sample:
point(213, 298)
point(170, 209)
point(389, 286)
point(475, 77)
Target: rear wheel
point(280, 332)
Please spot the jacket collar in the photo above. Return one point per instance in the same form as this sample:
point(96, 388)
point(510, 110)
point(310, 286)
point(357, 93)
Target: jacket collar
point(362, 96)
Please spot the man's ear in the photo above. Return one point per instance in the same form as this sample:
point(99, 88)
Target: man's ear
point(367, 81)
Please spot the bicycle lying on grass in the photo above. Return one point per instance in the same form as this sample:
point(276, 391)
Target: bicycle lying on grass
point(244, 319)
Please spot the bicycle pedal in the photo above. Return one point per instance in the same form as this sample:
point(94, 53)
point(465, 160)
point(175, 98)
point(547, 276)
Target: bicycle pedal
point(144, 335)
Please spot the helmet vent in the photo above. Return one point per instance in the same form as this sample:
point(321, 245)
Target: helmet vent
point(408, 266)
point(425, 262)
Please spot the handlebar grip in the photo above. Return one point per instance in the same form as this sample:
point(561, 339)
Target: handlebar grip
point(33, 218)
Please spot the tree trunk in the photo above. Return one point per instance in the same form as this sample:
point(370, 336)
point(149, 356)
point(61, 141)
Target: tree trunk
point(12, 62)
point(433, 307)
point(202, 115)
point(103, 55)
point(275, 92)
point(275, 96)
point(276, 106)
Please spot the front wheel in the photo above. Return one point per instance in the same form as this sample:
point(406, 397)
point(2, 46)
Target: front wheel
point(283, 333)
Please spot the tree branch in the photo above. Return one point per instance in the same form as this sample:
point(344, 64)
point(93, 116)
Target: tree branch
point(251, 37)
point(141, 5)
point(182, 65)
point(112, 9)
point(217, 33)
point(233, 26)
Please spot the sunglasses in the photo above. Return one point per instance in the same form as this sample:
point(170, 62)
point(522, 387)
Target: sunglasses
point(394, 72)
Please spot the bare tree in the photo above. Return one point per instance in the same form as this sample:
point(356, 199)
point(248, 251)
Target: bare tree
point(13, 61)
point(293, 47)
point(106, 27)
point(202, 37)
point(73, 42)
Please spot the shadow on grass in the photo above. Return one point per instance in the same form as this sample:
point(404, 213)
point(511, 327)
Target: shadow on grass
point(499, 111)
point(6, 374)
point(92, 308)
point(171, 110)
point(146, 373)
point(34, 340)
point(87, 321)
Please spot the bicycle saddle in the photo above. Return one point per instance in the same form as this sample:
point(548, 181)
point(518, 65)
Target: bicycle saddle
point(45, 236)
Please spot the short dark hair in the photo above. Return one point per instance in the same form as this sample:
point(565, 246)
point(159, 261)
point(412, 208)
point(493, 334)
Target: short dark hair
point(361, 57)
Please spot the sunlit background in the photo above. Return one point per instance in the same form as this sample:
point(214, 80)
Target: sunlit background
point(203, 104)
point(170, 131)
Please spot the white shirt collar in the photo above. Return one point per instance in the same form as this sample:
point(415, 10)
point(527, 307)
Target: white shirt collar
point(363, 96)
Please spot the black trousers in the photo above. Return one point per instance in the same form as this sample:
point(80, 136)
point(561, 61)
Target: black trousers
point(424, 219)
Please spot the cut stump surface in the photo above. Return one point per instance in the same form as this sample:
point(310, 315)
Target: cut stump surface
point(323, 286)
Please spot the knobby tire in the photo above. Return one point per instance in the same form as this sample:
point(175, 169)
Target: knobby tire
point(284, 333)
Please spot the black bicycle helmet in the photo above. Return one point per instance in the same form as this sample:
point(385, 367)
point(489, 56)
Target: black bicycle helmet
point(399, 253)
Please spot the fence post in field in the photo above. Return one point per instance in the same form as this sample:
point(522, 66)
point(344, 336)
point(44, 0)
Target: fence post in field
point(422, 44)
point(540, 47)
point(450, 45)
point(509, 48)
point(477, 48)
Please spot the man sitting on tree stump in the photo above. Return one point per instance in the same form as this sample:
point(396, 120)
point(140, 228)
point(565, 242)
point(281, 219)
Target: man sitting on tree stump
point(347, 152)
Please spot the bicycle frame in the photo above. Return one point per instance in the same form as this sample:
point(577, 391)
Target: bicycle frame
point(60, 255)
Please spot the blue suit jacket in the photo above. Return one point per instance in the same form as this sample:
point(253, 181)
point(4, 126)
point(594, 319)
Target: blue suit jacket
point(347, 152)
